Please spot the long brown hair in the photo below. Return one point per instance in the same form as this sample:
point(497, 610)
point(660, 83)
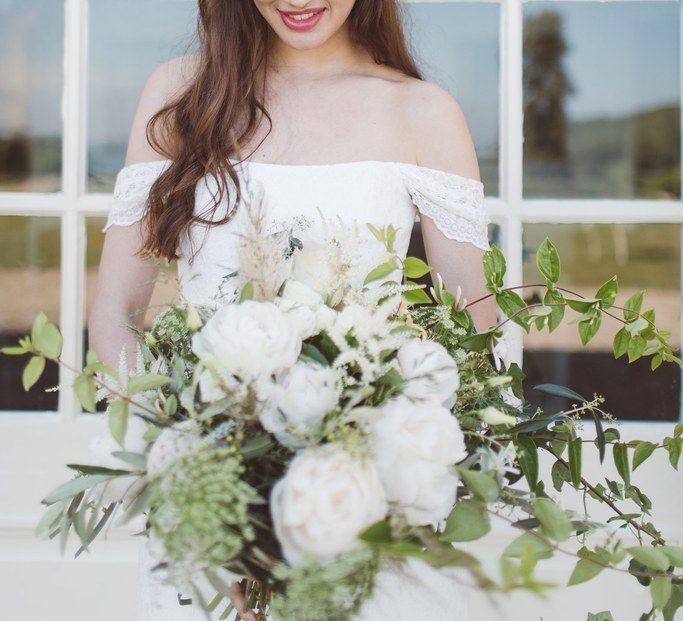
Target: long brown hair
point(198, 130)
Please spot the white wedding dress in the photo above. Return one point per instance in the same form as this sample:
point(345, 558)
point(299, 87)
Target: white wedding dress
point(378, 192)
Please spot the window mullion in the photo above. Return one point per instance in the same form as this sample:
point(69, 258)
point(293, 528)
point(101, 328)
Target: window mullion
point(511, 144)
point(73, 182)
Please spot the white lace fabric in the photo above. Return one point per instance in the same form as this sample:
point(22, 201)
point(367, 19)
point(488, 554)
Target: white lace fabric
point(454, 202)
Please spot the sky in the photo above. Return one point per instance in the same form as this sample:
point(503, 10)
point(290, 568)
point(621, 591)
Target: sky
point(622, 57)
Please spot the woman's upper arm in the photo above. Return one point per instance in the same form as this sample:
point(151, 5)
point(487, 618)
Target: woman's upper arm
point(454, 245)
point(126, 279)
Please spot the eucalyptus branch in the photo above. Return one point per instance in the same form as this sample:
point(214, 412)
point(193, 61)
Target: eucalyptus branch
point(607, 500)
point(558, 548)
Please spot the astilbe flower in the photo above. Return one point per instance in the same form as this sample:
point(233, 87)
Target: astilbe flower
point(200, 513)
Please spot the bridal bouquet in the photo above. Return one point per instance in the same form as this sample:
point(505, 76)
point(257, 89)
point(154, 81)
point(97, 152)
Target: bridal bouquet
point(334, 417)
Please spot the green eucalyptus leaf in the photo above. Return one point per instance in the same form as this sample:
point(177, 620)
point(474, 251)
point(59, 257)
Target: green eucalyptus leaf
point(621, 341)
point(481, 484)
point(673, 446)
point(47, 339)
point(528, 459)
point(417, 296)
point(541, 548)
point(548, 261)
point(118, 420)
point(381, 271)
point(660, 591)
point(247, 292)
point(675, 602)
point(554, 520)
point(608, 292)
point(555, 300)
point(560, 391)
point(588, 329)
point(653, 558)
point(584, 571)
point(75, 487)
point(32, 371)
point(620, 455)
point(574, 451)
point(633, 305)
point(468, 521)
point(674, 554)
point(642, 451)
point(636, 347)
point(84, 387)
point(494, 267)
point(415, 268)
point(151, 381)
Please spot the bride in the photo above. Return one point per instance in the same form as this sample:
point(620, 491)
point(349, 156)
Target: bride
point(332, 118)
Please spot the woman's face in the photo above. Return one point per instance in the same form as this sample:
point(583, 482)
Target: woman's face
point(305, 24)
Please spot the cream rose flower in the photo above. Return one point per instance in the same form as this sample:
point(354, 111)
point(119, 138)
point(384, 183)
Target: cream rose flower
point(430, 372)
point(251, 340)
point(326, 499)
point(306, 308)
point(416, 447)
point(299, 399)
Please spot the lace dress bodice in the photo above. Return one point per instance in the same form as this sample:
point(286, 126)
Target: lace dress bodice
point(376, 192)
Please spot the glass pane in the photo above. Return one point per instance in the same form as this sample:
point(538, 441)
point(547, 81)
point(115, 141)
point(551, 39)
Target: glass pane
point(456, 45)
point(31, 39)
point(165, 289)
point(602, 99)
point(29, 280)
point(643, 256)
point(123, 53)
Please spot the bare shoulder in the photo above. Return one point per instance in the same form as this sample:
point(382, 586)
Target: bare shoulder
point(437, 128)
point(166, 82)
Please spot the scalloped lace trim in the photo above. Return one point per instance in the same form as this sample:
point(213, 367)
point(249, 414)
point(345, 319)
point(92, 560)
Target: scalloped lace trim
point(131, 189)
point(454, 202)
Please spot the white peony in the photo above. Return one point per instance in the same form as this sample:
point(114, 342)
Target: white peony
point(416, 447)
point(326, 499)
point(251, 340)
point(101, 449)
point(306, 308)
point(430, 371)
point(299, 399)
point(173, 443)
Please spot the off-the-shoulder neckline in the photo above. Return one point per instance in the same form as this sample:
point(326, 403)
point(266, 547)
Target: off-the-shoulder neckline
point(274, 165)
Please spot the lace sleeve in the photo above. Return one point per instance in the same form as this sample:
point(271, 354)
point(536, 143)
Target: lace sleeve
point(455, 203)
point(130, 192)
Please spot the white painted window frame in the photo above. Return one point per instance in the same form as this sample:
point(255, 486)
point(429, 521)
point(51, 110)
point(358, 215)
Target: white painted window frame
point(510, 210)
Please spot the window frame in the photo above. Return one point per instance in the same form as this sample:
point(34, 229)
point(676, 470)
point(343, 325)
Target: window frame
point(510, 211)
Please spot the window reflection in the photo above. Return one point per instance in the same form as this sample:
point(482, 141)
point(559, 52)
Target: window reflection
point(456, 46)
point(602, 99)
point(29, 281)
point(31, 35)
point(643, 256)
point(123, 53)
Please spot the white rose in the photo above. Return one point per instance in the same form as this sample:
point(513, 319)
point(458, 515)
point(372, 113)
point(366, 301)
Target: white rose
point(313, 267)
point(326, 499)
point(173, 443)
point(430, 371)
point(306, 309)
point(250, 340)
point(101, 449)
point(415, 449)
point(299, 399)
